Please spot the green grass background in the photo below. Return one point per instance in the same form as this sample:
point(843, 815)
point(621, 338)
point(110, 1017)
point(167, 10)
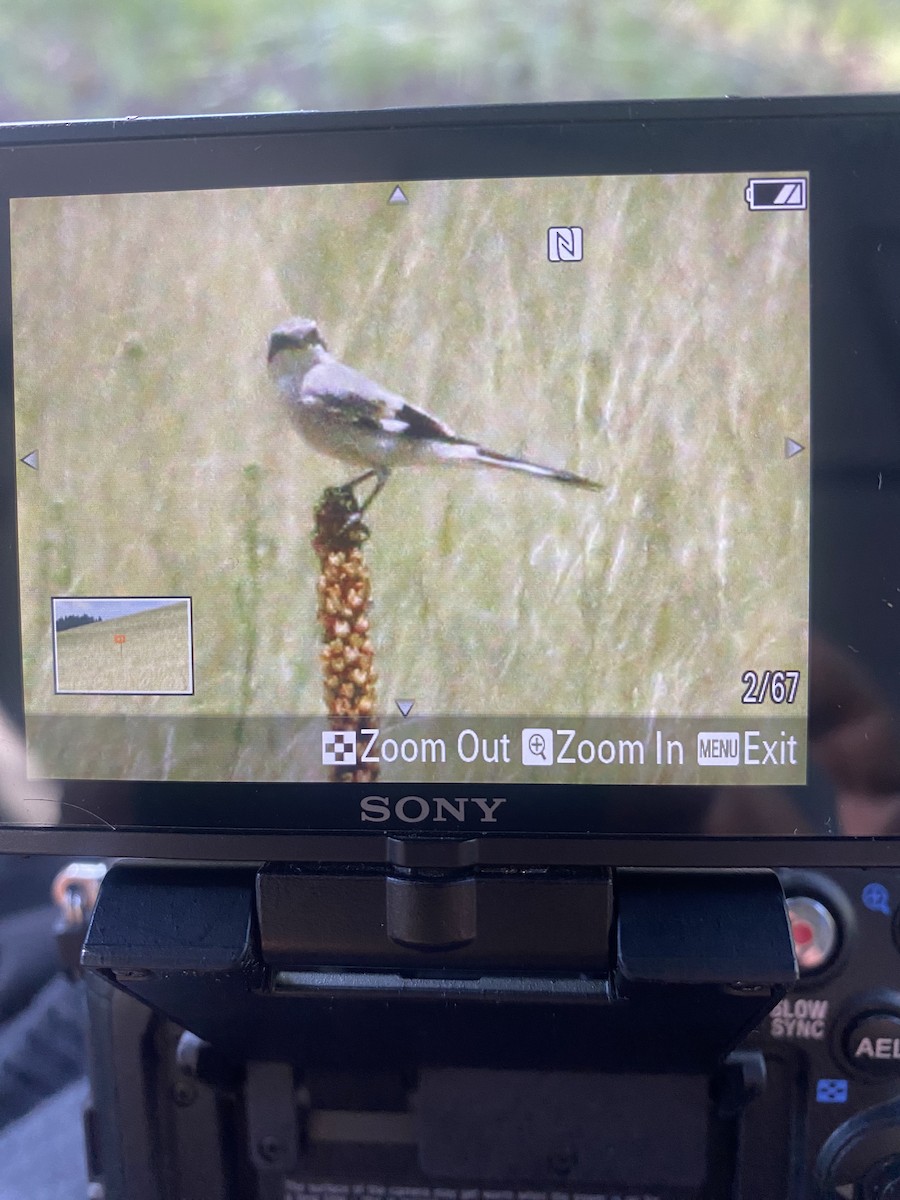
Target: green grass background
point(670, 364)
point(155, 656)
point(68, 58)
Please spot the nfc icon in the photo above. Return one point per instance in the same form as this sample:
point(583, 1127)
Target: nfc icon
point(338, 748)
point(564, 243)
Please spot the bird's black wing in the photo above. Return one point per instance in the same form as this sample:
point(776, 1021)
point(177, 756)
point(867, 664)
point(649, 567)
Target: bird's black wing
point(360, 401)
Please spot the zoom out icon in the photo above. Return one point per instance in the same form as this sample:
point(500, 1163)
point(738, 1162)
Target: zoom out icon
point(338, 748)
point(537, 747)
point(565, 243)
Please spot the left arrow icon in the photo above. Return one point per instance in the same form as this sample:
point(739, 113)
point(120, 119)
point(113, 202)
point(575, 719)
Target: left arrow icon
point(30, 460)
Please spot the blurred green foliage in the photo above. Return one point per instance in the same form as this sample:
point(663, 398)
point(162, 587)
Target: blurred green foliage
point(86, 58)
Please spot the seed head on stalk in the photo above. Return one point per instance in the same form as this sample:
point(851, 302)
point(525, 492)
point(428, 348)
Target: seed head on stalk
point(344, 596)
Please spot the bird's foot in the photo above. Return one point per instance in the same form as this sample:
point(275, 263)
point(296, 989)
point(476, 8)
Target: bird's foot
point(338, 520)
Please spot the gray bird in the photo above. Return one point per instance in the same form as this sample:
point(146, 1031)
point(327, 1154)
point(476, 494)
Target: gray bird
point(341, 412)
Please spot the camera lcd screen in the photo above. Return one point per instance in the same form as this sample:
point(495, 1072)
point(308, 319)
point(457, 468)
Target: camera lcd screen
point(531, 473)
point(573, 415)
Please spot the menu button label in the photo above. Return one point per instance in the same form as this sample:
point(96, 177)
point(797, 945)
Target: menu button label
point(718, 749)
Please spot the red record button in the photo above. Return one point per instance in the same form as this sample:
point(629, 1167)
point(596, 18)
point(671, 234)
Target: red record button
point(872, 1044)
point(814, 931)
point(803, 932)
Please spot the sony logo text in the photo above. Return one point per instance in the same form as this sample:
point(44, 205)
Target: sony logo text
point(412, 810)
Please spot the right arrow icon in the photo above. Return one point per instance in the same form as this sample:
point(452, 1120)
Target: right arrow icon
point(792, 448)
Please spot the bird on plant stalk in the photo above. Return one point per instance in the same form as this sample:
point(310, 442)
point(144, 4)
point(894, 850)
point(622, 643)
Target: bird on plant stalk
point(341, 412)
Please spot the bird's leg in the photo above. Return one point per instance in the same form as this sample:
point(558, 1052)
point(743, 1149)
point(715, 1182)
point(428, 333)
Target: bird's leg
point(354, 509)
point(381, 474)
point(352, 504)
point(360, 479)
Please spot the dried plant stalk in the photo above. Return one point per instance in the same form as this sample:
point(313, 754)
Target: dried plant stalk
point(344, 597)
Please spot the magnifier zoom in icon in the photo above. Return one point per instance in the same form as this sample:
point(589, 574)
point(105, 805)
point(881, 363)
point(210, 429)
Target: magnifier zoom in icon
point(537, 747)
point(877, 898)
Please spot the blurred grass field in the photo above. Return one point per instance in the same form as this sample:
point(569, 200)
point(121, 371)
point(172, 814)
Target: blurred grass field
point(155, 655)
point(670, 365)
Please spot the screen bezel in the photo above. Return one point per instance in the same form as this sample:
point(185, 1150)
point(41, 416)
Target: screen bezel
point(822, 137)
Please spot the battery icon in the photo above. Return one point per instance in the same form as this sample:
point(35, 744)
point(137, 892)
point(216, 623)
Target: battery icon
point(775, 195)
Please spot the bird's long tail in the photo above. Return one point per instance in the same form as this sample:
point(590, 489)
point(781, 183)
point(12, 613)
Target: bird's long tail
point(489, 458)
